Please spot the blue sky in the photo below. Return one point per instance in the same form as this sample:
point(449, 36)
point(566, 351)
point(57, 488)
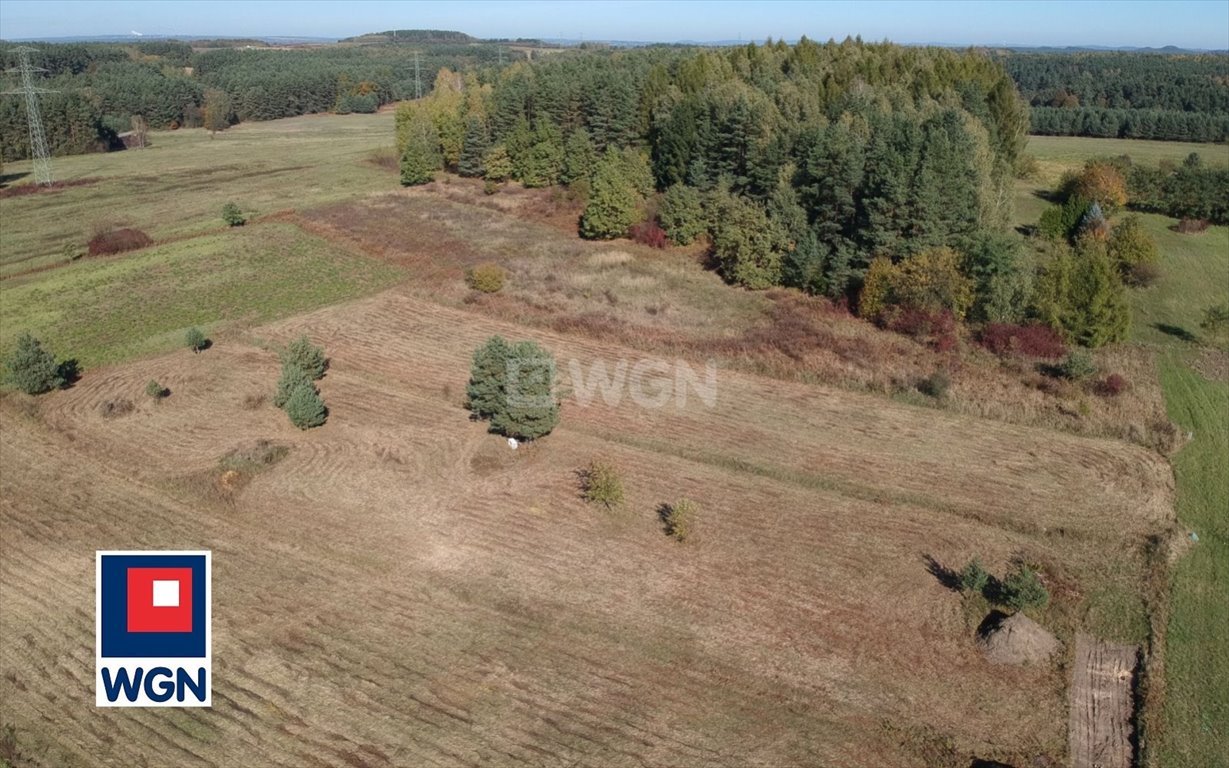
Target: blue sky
point(1185, 23)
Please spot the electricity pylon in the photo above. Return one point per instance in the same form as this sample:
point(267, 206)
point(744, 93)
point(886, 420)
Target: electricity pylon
point(38, 139)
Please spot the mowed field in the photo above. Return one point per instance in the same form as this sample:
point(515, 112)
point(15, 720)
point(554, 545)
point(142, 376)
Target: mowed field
point(403, 589)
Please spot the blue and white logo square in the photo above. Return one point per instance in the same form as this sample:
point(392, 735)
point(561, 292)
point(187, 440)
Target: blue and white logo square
point(152, 629)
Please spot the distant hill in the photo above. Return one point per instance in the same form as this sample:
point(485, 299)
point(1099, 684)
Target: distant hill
point(419, 36)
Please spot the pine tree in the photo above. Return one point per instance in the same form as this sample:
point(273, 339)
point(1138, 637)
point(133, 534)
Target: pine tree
point(292, 376)
point(613, 201)
point(307, 356)
point(579, 157)
point(1098, 303)
point(31, 368)
point(304, 407)
point(531, 405)
point(421, 157)
point(682, 214)
point(485, 393)
point(474, 148)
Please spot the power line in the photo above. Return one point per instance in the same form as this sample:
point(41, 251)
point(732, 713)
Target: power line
point(417, 79)
point(38, 138)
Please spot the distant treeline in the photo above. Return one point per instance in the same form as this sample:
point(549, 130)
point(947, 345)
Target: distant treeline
point(1125, 95)
point(101, 87)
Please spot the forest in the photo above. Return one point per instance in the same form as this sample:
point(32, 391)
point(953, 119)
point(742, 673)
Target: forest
point(877, 175)
point(1125, 95)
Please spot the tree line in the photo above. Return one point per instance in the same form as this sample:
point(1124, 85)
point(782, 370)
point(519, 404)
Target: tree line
point(1125, 95)
point(102, 87)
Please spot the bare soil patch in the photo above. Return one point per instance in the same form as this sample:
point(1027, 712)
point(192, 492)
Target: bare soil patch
point(1103, 704)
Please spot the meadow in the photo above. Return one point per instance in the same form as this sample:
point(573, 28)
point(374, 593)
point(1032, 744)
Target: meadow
point(402, 588)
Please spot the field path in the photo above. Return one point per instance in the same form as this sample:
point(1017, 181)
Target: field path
point(1101, 732)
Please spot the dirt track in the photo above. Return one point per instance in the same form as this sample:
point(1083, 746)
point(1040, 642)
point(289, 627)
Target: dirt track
point(1102, 704)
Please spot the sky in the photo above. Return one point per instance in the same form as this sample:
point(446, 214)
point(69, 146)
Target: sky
point(1126, 23)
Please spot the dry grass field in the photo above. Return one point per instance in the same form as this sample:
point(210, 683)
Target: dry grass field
point(403, 589)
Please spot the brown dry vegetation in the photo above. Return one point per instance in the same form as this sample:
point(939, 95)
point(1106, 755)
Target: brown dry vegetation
point(664, 304)
point(402, 589)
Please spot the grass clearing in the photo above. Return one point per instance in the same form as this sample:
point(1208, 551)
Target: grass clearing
point(1196, 713)
point(105, 311)
point(176, 188)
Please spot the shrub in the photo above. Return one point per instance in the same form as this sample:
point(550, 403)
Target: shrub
point(1112, 386)
point(1142, 275)
point(1035, 341)
point(1193, 226)
point(155, 390)
point(600, 484)
point(292, 376)
point(118, 241)
point(304, 406)
point(195, 339)
point(1078, 366)
point(1022, 588)
point(648, 233)
point(1134, 251)
point(486, 278)
point(937, 329)
point(233, 216)
point(490, 187)
point(974, 577)
point(678, 519)
point(933, 280)
point(113, 409)
point(307, 356)
point(935, 385)
point(32, 368)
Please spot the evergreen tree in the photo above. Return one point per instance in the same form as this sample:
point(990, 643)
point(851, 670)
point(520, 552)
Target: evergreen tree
point(747, 246)
point(531, 405)
point(579, 157)
point(474, 148)
point(31, 368)
point(613, 200)
point(485, 393)
point(307, 356)
point(682, 214)
point(1003, 284)
point(542, 161)
point(1098, 303)
point(304, 407)
point(292, 376)
point(420, 158)
point(497, 164)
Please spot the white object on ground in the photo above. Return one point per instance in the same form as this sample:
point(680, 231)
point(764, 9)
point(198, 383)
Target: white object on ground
point(512, 443)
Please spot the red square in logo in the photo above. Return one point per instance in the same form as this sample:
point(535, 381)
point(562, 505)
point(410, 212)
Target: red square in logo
point(159, 599)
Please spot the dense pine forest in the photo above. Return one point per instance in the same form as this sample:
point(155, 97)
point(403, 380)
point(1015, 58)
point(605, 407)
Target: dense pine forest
point(1125, 95)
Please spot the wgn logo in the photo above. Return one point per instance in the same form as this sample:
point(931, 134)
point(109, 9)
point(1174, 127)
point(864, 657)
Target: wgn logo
point(152, 640)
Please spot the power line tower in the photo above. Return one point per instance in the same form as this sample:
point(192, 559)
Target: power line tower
point(417, 78)
point(38, 139)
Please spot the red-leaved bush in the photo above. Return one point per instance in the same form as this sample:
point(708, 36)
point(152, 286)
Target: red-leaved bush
point(1112, 385)
point(648, 233)
point(118, 240)
point(936, 329)
point(1009, 339)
